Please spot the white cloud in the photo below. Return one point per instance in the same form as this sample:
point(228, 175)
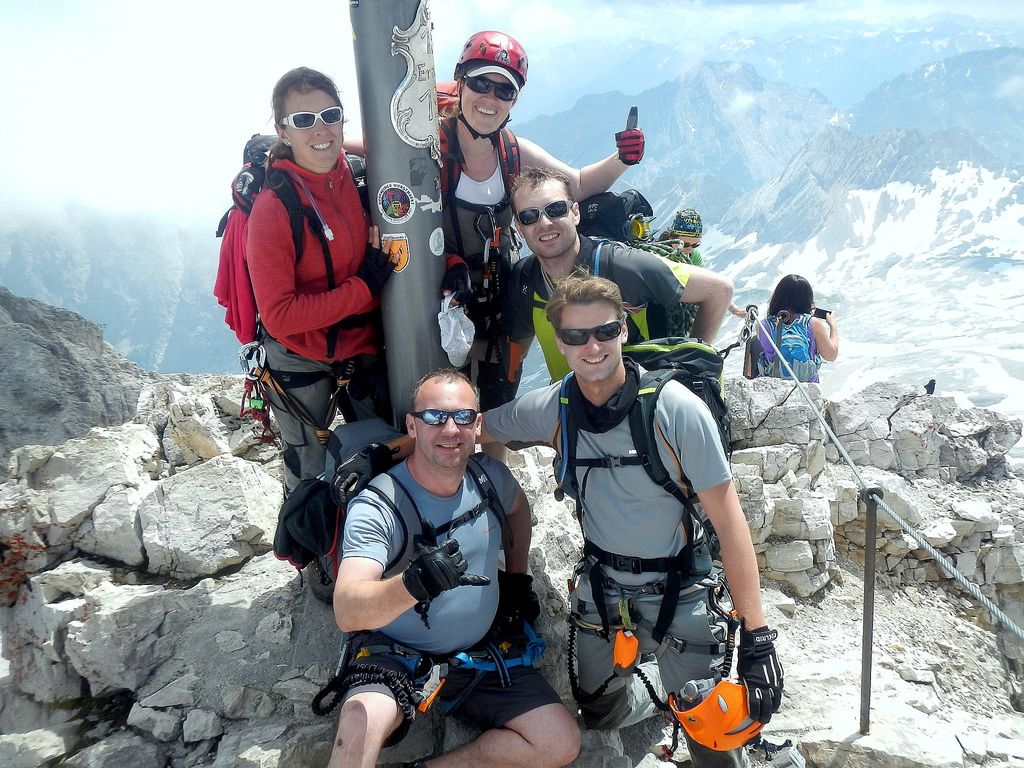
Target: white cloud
point(135, 105)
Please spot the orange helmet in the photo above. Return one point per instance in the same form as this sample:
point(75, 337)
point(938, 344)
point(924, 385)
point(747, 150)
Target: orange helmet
point(722, 720)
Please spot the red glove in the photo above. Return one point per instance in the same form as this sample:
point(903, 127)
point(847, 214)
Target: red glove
point(630, 144)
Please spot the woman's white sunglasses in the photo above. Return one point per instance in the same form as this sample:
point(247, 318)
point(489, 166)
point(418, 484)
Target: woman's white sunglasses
point(329, 116)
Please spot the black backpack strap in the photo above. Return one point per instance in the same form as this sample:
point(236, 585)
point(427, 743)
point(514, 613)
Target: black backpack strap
point(490, 494)
point(357, 167)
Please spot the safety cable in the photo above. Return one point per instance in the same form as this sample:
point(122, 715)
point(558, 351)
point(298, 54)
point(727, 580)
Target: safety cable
point(998, 616)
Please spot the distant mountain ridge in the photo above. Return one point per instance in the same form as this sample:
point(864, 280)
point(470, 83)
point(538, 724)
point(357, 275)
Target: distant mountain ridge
point(981, 92)
point(795, 206)
point(722, 127)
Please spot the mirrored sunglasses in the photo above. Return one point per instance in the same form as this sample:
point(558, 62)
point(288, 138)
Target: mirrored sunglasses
point(577, 337)
point(329, 116)
point(555, 210)
point(503, 91)
point(438, 417)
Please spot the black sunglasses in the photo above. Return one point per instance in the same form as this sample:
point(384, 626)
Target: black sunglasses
point(577, 337)
point(503, 91)
point(438, 417)
point(555, 210)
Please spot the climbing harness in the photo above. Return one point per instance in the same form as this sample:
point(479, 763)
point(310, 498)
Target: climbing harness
point(259, 379)
point(424, 675)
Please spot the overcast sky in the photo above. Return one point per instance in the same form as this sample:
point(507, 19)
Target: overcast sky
point(145, 106)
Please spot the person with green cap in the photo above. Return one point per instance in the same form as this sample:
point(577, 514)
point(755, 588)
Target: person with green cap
point(684, 238)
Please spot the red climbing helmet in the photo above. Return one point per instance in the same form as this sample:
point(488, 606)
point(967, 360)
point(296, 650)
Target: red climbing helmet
point(490, 48)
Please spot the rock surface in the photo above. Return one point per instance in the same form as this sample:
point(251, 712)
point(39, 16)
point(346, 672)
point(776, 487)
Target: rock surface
point(58, 378)
point(148, 623)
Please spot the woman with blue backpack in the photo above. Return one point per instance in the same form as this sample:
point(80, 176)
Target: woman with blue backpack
point(806, 335)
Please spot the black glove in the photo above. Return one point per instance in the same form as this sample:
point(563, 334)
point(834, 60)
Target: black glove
point(434, 570)
point(517, 602)
point(630, 144)
point(247, 185)
point(356, 472)
point(457, 281)
point(760, 672)
point(376, 269)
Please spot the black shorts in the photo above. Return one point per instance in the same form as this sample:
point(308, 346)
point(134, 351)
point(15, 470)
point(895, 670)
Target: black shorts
point(488, 705)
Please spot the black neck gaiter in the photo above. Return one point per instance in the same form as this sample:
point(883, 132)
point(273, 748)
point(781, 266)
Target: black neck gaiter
point(601, 418)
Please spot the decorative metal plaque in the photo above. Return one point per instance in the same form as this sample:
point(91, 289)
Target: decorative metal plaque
point(414, 104)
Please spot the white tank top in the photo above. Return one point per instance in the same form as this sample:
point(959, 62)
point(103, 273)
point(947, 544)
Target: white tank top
point(489, 192)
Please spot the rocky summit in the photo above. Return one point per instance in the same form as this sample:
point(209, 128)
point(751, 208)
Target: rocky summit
point(147, 623)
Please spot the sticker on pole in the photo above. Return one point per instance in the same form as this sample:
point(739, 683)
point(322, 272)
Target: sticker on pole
point(396, 202)
point(436, 242)
point(397, 248)
point(414, 103)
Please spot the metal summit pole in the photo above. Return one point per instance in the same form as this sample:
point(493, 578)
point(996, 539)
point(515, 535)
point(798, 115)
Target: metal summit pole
point(398, 100)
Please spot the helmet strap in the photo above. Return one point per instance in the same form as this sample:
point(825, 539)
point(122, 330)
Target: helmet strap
point(493, 135)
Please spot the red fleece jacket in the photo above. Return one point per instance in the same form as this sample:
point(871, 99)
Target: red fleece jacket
point(296, 306)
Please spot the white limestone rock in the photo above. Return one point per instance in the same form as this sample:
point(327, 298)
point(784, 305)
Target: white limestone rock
point(1005, 565)
point(194, 425)
point(164, 725)
point(24, 523)
point(32, 749)
point(790, 557)
point(71, 579)
point(81, 472)
point(978, 512)
point(177, 693)
point(42, 678)
point(124, 749)
point(209, 517)
point(201, 724)
point(806, 516)
point(128, 632)
point(275, 744)
point(114, 530)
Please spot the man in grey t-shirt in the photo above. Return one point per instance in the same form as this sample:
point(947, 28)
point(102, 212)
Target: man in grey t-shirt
point(634, 554)
point(420, 585)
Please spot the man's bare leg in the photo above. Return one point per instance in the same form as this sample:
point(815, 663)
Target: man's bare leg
point(546, 737)
point(365, 722)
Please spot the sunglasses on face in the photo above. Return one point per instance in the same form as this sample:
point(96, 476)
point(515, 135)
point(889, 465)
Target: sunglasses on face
point(438, 417)
point(329, 116)
point(689, 246)
point(577, 337)
point(555, 210)
point(503, 91)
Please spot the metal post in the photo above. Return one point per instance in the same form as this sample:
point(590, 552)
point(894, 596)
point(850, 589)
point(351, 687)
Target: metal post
point(398, 99)
point(870, 497)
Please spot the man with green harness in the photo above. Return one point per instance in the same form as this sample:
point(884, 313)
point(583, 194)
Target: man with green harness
point(418, 589)
point(547, 216)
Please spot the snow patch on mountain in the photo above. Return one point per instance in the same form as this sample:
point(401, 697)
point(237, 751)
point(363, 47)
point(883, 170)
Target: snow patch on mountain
point(927, 281)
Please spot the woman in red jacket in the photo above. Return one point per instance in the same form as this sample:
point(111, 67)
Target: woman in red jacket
point(319, 308)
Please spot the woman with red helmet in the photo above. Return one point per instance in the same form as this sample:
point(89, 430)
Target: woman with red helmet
point(480, 157)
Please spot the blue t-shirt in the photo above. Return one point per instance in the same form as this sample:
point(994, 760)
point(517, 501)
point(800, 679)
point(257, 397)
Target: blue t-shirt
point(460, 617)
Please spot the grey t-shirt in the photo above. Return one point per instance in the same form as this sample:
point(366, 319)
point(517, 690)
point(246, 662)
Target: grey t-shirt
point(624, 511)
point(460, 617)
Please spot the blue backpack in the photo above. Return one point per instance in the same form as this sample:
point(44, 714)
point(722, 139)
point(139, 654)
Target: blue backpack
point(796, 341)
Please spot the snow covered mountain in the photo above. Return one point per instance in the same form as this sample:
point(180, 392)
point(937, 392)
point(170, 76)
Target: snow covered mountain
point(926, 278)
